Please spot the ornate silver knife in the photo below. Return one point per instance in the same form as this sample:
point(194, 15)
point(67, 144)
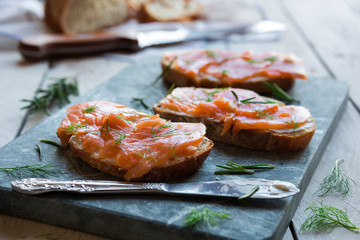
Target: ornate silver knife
point(268, 189)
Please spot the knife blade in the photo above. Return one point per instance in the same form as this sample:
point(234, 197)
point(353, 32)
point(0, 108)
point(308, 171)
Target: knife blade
point(132, 38)
point(268, 189)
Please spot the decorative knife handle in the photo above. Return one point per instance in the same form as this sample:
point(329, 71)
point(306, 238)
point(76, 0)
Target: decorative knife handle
point(38, 185)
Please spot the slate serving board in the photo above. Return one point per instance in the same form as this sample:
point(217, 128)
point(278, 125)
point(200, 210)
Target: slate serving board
point(161, 217)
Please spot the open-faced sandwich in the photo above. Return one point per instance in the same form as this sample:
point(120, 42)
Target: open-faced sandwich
point(241, 117)
point(222, 68)
point(131, 144)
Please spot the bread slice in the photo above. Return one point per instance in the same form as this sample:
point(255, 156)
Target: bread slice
point(173, 74)
point(176, 167)
point(169, 10)
point(73, 16)
point(275, 140)
point(131, 144)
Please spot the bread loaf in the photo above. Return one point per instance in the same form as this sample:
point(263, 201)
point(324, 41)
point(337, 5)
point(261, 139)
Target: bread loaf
point(74, 16)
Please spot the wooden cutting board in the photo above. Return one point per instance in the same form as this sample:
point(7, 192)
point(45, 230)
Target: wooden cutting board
point(152, 216)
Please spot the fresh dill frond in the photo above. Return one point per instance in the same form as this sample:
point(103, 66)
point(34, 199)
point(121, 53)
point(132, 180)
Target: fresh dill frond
point(32, 169)
point(74, 127)
point(325, 218)
point(212, 93)
point(234, 168)
point(57, 92)
point(165, 70)
point(336, 180)
point(248, 100)
point(121, 137)
point(264, 114)
point(166, 125)
point(250, 193)
point(253, 61)
point(105, 127)
point(280, 94)
point(211, 53)
point(38, 149)
point(52, 143)
point(205, 215)
point(293, 124)
point(172, 87)
point(90, 109)
point(271, 59)
point(140, 101)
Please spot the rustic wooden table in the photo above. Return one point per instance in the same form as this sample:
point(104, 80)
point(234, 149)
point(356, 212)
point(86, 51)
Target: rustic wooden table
point(325, 33)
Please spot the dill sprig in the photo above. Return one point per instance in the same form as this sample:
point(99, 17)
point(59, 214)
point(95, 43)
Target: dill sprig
point(74, 127)
point(212, 93)
point(166, 125)
point(234, 168)
point(325, 218)
point(280, 94)
point(32, 169)
point(249, 194)
point(121, 137)
point(210, 53)
point(248, 100)
point(52, 143)
point(38, 149)
point(264, 114)
point(195, 217)
point(336, 180)
point(140, 101)
point(57, 92)
point(172, 87)
point(90, 109)
point(165, 70)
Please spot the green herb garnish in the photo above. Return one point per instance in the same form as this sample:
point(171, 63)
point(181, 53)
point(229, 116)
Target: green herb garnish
point(280, 94)
point(233, 168)
point(271, 59)
point(33, 169)
point(166, 125)
point(57, 92)
point(164, 71)
point(253, 61)
point(224, 71)
point(74, 127)
point(105, 127)
point(293, 124)
point(144, 153)
point(90, 109)
point(38, 149)
point(211, 94)
point(52, 143)
point(325, 218)
point(336, 180)
point(140, 101)
point(172, 87)
point(120, 138)
point(249, 194)
point(204, 215)
point(211, 53)
point(248, 100)
point(264, 114)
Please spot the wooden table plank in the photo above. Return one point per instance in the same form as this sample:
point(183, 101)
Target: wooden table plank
point(331, 27)
point(18, 80)
point(345, 144)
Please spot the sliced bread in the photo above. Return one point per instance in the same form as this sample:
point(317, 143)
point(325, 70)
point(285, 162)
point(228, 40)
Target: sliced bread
point(73, 16)
point(133, 145)
point(169, 10)
point(221, 68)
point(291, 138)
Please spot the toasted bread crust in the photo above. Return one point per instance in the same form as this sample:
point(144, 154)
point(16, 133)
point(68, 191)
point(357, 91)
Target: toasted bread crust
point(175, 168)
point(173, 75)
point(287, 140)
